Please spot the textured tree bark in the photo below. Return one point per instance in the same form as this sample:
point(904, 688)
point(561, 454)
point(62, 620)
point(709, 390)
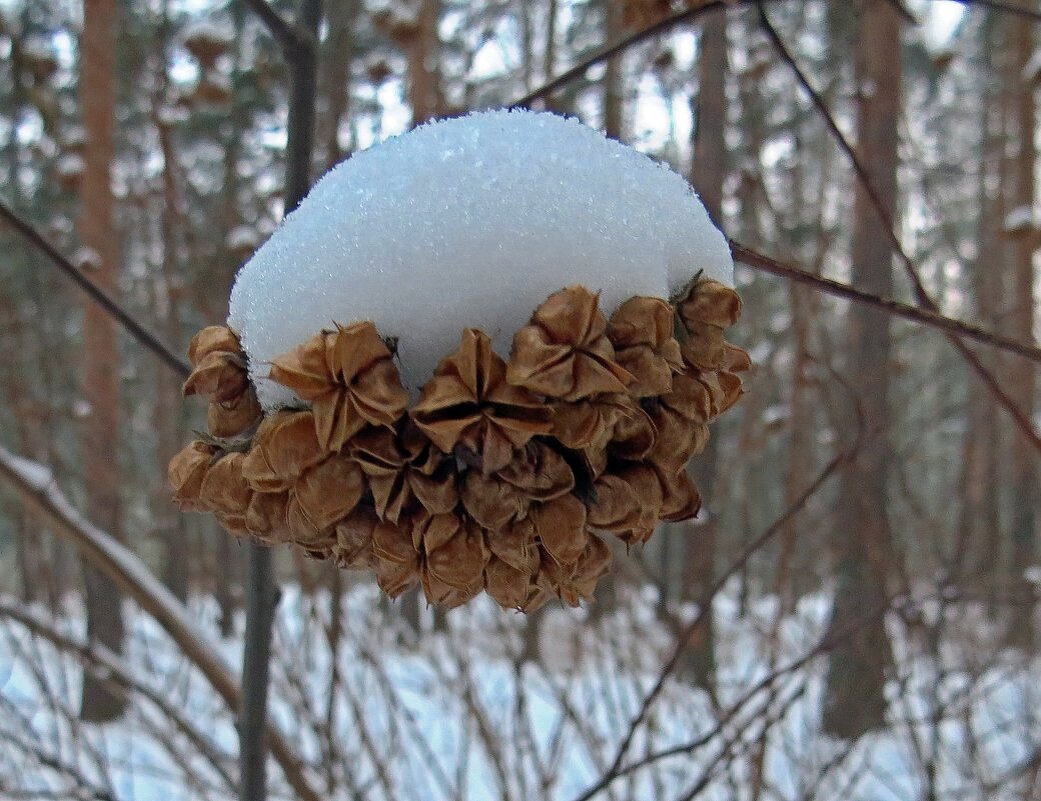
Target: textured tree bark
point(1021, 376)
point(708, 171)
point(614, 97)
point(423, 50)
point(854, 701)
point(979, 525)
point(334, 79)
point(97, 91)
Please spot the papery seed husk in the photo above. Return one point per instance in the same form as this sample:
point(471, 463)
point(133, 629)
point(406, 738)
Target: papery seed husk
point(305, 531)
point(186, 472)
point(508, 586)
point(353, 549)
point(711, 302)
point(224, 489)
point(680, 497)
point(234, 417)
point(704, 346)
point(493, 503)
point(459, 559)
point(616, 507)
point(539, 472)
point(516, 545)
point(284, 446)
point(212, 339)
point(564, 353)
point(219, 377)
point(395, 578)
point(330, 490)
point(561, 528)
point(266, 517)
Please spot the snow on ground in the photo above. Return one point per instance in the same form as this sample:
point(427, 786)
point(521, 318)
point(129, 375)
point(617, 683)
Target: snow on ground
point(470, 222)
point(454, 714)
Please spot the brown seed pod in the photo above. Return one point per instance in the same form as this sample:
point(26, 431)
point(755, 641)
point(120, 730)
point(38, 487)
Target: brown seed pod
point(500, 476)
point(709, 301)
point(509, 586)
point(353, 549)
point(231, 418)
point(454, 549)
point(561, 528)
point(224, 489)
point(469, 405)
point(266, 518)
point(397, 560)
point(494, 503)
point(187, 471)
point(284, 447)
point(564, 352)
point(641, 332)
point(590, 422)
point(350, 379)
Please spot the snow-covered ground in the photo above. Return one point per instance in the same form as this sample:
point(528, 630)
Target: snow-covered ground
point(457, 714)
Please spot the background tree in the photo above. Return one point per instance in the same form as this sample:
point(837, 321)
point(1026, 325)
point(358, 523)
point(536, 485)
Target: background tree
point(863, 539)
point(101, 359)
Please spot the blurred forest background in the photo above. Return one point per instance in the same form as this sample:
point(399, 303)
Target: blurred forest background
point(851, 615)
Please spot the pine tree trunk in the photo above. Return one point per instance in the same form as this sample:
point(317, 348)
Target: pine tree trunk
point(424, 64)
point(854, 701)
point(101, 366)
point(979, 526)
point(1020, 293)
point(334, 80)
point(708, 171)
point(614, 98)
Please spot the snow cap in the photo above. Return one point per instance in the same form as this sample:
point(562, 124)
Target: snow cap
point(470, 222)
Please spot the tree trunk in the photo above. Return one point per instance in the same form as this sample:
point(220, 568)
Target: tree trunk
point(708, 171)
point(101, 366)
point(979, 526)
point(334, 79)
point(1023, 478)
point(423, 50)
point(854, 701)
point(614, 93)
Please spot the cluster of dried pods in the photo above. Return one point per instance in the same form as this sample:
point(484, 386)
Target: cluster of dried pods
point(501, 476)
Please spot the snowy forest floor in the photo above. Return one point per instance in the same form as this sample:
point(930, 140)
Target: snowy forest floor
point(460, 714)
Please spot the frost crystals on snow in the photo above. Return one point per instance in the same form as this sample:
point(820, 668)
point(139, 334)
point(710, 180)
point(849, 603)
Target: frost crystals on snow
point(470, 223)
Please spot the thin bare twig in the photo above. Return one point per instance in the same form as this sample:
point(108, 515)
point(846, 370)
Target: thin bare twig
point(609, 51)
point(111, 306)
point(705, 602)
point(104, 662)
point(1005, 8)
point(34, 484)
point(922, 296)
point(767, 264)
point(291, 39)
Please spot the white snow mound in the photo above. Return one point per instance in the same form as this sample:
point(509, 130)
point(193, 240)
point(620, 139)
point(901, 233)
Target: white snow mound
point(470, 222)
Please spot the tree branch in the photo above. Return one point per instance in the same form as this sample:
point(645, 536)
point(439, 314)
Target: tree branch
point(136, 329)
point(704, 603)
point(35, 485)
point(758, 261)
point(1005, 8)
point(108, 665)
point(657, 29)
point(292, 40)
point(922, 296)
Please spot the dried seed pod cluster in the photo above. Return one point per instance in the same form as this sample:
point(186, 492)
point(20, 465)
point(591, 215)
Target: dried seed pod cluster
point(503, 476)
